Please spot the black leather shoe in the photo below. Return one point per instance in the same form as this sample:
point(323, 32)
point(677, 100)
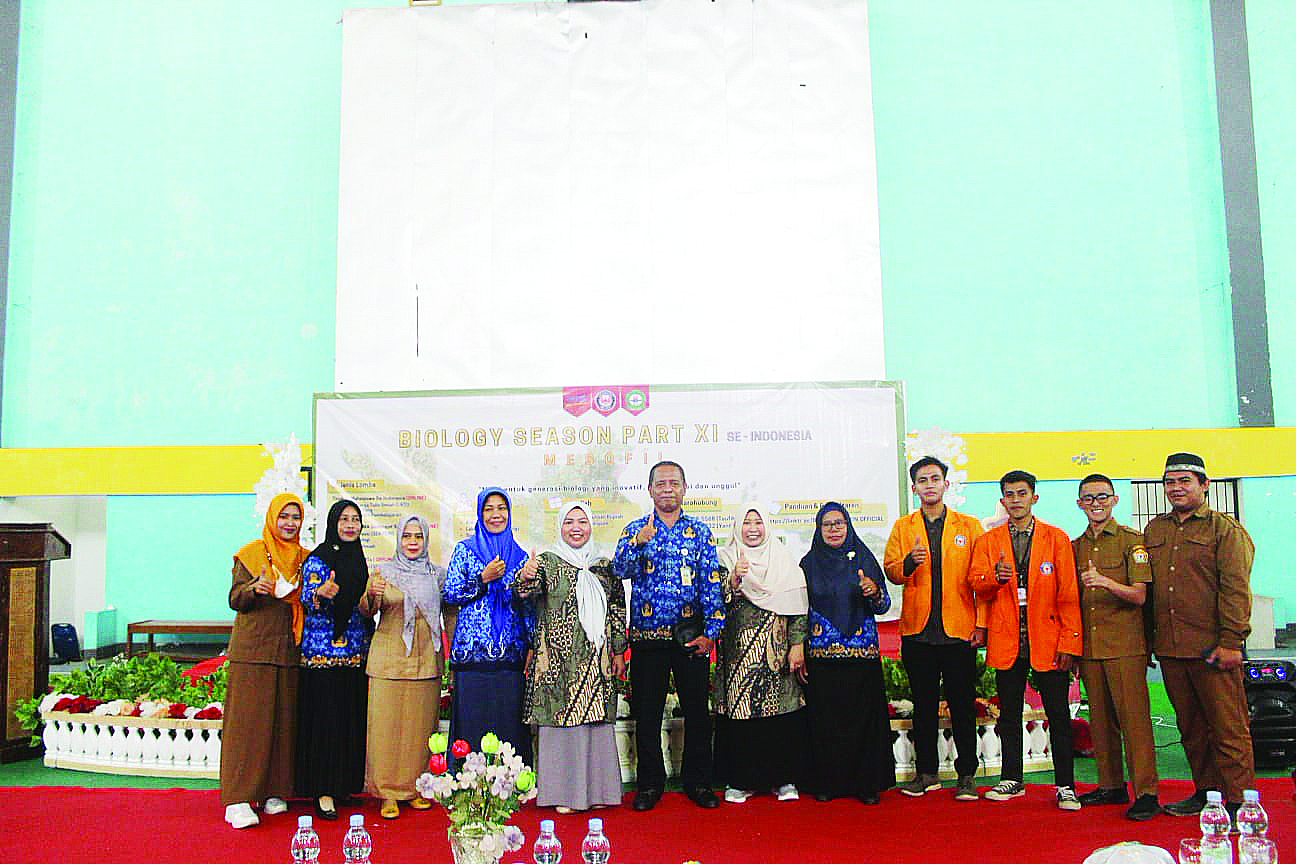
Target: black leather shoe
point(328, 814)
point(822, 797)
point(870, 799)
point(702, 797)
point(1190, 806)
point(646, 799)
point(1104, 796)
point(1145, 807)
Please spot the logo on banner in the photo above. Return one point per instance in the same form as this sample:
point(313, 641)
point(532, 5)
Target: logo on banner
point(634, 399)
point(576, 400)
point(605, 400)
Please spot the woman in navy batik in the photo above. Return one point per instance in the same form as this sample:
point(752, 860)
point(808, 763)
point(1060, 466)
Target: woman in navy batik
point(335, 640)
point(850, 734)
point(492, 633)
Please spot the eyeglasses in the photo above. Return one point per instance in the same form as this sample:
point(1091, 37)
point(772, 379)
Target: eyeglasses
point(1096, 499)
point(834, 524)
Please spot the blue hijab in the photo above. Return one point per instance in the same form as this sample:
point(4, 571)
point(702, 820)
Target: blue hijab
point(487, 546)
point(832, 575)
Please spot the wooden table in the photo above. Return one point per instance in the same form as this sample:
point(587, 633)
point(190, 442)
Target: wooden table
point(152, 627)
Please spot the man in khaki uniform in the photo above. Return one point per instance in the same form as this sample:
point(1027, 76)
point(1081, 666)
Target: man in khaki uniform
point(1114, 576)
point(1201, 572)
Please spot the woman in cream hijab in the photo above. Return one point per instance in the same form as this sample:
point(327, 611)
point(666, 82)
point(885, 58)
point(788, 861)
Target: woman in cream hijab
point(760, 724)
point(580, 645)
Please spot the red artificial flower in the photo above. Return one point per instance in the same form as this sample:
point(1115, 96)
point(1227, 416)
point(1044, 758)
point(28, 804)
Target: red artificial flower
point(212, 713)
point(135, 710)
point(176, 711)
point(891, 711)
point(64, 704)
point(460, 749)
point(437, 764)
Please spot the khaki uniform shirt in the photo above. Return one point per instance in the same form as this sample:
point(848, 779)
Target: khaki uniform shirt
point(1111, 626)
point(1201, 580)
point(263, 626)
point(387, 649)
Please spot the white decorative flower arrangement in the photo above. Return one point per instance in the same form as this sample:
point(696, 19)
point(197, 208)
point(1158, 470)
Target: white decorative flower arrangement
point(285, 475)
point(948, 448)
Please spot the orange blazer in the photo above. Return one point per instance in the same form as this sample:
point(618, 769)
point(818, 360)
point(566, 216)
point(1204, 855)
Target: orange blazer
point(1052, 606)
point(958, 603)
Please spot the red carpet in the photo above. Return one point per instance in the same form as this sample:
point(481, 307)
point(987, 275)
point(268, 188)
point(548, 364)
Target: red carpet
point(128, 826)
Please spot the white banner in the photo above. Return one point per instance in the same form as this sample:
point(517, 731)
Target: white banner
point(791, 447)
point(677, 191)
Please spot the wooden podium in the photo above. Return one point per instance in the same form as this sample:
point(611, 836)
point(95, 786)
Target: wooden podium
point(25, 555)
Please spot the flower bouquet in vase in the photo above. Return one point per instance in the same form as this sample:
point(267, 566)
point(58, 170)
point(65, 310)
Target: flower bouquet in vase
point(481, 798)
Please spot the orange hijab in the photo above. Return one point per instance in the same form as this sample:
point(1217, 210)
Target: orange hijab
point(277, 557)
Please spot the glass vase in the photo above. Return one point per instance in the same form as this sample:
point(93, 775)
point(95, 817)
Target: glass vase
point(465, 845)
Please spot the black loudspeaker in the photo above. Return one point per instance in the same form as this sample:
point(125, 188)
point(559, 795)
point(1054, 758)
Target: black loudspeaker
point(67, 648)
point(1271, 704)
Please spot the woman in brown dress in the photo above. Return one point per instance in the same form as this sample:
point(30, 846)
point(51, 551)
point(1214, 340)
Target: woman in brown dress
point(404, 669)
point(260, 725)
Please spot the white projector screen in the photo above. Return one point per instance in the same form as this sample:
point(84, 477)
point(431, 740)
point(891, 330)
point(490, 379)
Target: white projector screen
point(674, 191)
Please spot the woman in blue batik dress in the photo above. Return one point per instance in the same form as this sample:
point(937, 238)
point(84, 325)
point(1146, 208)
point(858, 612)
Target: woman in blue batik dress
point(331, 713)
point(492, 634)
point(850, 734)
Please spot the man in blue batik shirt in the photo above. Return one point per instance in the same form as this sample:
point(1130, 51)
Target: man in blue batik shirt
point(670, 560)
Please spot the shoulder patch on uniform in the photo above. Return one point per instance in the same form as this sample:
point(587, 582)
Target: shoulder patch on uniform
point(1046, 567)
point(1139, 554)
point(960, 540)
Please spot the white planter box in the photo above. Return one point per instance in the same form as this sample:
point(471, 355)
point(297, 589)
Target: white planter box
point(140, 746)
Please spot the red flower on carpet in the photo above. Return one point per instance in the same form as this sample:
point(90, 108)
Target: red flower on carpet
point(437, 764)
point(460, 749)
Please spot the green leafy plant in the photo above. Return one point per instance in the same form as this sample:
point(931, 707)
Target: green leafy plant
point(897, 680)
point(151, 677)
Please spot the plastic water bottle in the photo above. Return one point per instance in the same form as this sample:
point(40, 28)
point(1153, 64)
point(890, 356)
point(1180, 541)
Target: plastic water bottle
point(547, 849)
point(1215, 826)
point(305, 843)
point(595, 848)
point(1252, 820)
point(356, 845)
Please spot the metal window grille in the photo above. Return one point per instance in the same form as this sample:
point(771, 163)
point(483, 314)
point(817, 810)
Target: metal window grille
point(1150, 500)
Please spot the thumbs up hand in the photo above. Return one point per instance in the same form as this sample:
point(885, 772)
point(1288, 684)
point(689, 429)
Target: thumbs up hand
point(919, 553)
point(263, 584)
point(647, 532)
point(867, 585)
point(328, 590)
point(1092, 578)
point(1003, 570)
point(377, 586)
point(494, 570)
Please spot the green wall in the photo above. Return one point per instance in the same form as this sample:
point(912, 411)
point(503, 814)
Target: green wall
point(1049, 192)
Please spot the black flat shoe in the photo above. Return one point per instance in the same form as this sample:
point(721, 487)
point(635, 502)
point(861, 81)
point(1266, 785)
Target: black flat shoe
point(1190, 806)
point(646, 799)
point(1145, 807)
point(1104, 796)
point(822, 797)
point(702, 797)
point(329, 815)
point(870, 799)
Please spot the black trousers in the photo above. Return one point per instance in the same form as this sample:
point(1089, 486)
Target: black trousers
point(926, 665)
point(1052, 688)
point(651, 665)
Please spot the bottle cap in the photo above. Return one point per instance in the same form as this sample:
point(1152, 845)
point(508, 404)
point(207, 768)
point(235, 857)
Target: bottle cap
point(305, 822)
point(1214, 797)
point(596, 824)
point(357, 820)
point(546, 825)
point(1251, 796)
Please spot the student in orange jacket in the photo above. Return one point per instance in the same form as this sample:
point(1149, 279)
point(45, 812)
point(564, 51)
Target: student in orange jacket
point(929, 553)
point(1025, 572)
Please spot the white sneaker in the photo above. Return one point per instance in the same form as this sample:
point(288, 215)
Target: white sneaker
point(275, 806)
point(241, 816)
point(736, 796)
point(1066, 798)
point(1006, 790)
point(787, 792)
